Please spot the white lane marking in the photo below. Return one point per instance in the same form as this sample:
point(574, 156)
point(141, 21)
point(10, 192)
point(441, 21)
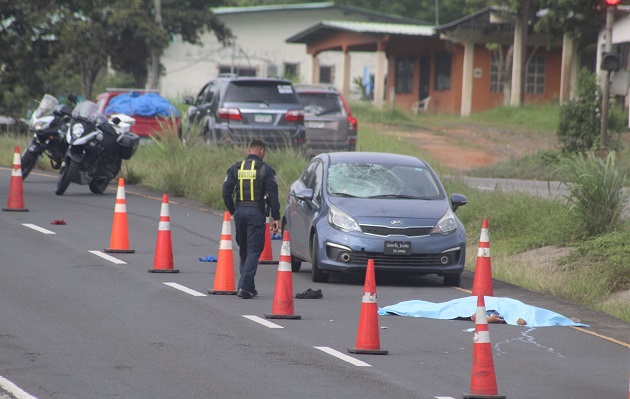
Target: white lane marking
point(343, 356)
point(262, 321)
point(443, 397)
point(14, 389)
point(185, 289)
point(108, 257)
point(36, 227)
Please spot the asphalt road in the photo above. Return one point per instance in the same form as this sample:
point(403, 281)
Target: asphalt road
point(77, 325)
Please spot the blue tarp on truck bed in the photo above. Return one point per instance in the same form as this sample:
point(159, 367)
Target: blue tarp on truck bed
point(141, 104)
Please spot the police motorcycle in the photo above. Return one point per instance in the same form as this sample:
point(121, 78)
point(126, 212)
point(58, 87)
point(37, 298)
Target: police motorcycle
point(48, 123)
point(96, 149)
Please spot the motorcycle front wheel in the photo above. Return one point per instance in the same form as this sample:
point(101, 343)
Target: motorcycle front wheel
point(70, 171)
point(98, 186)
point(29, 160)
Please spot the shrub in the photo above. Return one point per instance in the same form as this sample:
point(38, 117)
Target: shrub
point(580, 119)
point(596, 192)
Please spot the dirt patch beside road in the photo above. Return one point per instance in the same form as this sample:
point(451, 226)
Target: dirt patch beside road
point(464, 148)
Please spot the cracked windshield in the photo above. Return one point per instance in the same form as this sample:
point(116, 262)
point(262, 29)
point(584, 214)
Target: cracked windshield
point(381, 181)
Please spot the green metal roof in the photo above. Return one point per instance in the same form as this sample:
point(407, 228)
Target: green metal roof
point(322, 29)
point(374, 15)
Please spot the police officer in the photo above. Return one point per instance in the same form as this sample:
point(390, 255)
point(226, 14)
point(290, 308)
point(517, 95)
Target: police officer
point(244, 189)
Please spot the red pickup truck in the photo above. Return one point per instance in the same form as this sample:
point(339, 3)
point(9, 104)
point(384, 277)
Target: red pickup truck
point(153, 113)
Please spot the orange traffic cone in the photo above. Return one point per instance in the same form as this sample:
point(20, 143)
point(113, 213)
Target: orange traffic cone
point(368, 341)
point(15, 203)
point(163, 260)
point(282, 307)
point(224, 277)
point(266, 257)
point(119, 242)
point(482, 282)
point(483, 381)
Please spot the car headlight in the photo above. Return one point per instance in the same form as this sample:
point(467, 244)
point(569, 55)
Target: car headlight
point(77, 130)
point(446, 225)
point(341, 220)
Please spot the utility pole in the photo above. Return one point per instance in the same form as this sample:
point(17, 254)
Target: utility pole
point(606, 76)
point(154, 82)
point(437, 13)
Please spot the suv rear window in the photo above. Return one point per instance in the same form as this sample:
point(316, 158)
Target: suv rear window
point(320, 103)
point(261, 91)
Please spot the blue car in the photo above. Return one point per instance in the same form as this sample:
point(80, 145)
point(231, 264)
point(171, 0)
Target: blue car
point(348, 207)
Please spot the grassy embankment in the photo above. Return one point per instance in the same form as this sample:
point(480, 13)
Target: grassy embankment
point(518, 223)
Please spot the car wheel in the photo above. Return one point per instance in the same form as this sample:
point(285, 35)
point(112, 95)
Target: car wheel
point(452, 280)
point(296, 264)
point(317, 274)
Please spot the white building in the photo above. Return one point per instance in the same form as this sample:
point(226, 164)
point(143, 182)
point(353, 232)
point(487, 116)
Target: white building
point(261, 50)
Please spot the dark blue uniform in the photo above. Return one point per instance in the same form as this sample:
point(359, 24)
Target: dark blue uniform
point(244, 189)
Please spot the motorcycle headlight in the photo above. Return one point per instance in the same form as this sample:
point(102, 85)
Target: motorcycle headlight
point(77, 130)
point(446, 225)
point(39, 125)
point(341, 220)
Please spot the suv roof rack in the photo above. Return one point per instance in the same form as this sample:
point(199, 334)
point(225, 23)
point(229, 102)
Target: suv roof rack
point(228, 75)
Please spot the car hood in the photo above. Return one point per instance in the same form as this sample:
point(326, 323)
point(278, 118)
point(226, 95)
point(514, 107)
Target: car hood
point(408, 212)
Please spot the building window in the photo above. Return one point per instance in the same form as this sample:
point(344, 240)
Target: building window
point(443, 71)
point(496, 81)
point(327, 74)
point(239, 70)
point(404, 75)
point(291, 71)
point(535, 78)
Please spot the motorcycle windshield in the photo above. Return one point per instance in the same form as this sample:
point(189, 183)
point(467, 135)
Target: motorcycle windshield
point(86, 110)
point(46, 106)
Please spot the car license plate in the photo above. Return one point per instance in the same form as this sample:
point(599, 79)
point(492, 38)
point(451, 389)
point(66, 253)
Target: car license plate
point(262, 118)
point(315, 125)
point(397, 248)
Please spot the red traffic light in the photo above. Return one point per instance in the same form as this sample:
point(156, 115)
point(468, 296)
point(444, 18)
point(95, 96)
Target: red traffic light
point(613, 2)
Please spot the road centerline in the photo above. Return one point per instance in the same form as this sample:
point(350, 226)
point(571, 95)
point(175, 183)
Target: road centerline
point(108, 257)
point(343, 356)
point(185, 289)
point(262, 321)
point(37, 228)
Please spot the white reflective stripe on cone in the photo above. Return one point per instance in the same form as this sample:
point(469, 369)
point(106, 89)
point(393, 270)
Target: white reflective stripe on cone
point(369, 297)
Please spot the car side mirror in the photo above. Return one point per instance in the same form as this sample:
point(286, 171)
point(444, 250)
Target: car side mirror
point(458, 200)
point(305, 195)
point(188, 100)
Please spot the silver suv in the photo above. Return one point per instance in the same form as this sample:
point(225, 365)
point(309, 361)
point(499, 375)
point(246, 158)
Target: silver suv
point(330, 126)
point(233, 109)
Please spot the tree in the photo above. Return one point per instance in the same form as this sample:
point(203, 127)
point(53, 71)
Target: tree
point(26, 42)
point(41, 39)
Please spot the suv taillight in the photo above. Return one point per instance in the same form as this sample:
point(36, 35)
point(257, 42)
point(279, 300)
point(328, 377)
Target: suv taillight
point(294, 116)
point(352, 123)
point(233, 114)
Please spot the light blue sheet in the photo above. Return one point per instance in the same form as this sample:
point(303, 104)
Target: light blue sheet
point(510, 309)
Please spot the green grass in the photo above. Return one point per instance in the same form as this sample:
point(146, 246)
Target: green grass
point(518, 223)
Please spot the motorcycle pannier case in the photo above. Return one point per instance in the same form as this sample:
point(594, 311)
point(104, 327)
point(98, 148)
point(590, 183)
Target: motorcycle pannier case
point(127, 144)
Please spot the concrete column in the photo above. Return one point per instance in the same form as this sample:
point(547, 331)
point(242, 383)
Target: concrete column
point(345, 73)
point(379, 79)
point(467, 78)
point(517, 65)
point(568, 50)
point(314, 69)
